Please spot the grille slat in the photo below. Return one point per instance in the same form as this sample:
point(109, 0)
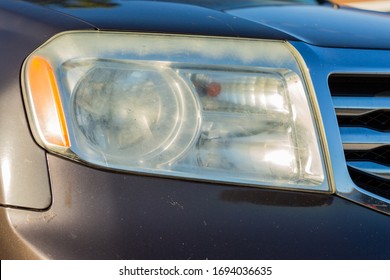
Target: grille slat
point(362, 104)
point(356, 138)
point(370, 167)
point(366, 103)
point(371, 182)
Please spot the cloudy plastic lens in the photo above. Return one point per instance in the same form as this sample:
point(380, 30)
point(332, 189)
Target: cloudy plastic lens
point(133, 113)
point(256, 92)
point(219, 109)
point(255, 127)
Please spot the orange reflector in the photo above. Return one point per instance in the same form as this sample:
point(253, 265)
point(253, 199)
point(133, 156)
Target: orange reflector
point(47, 103)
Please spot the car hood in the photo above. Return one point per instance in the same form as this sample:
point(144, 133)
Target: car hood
point(324, 25)
point(321, 25)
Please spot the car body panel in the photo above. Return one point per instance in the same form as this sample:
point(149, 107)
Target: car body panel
point(61, 209)
point(100, 215)
point(325, 26)
point(321, 25)
point(170, 17)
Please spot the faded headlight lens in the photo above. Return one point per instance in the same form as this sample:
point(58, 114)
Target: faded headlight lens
point(195, 107)
point(146, 117)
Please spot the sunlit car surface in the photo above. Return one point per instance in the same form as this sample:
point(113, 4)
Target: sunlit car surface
point(196, 129)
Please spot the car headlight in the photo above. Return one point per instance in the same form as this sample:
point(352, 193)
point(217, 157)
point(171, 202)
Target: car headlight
point(230, 110)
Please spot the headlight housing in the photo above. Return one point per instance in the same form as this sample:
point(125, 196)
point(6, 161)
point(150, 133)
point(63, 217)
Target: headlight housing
point(221, 109)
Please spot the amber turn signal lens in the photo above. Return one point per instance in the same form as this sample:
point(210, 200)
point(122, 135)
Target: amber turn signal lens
point(47, 103)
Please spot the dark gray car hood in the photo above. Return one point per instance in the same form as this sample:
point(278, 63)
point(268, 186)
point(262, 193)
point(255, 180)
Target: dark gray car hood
point(325, 26)
point(321, 25)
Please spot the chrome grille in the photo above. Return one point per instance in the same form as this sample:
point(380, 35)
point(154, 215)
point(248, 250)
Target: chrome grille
point(362, 104)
